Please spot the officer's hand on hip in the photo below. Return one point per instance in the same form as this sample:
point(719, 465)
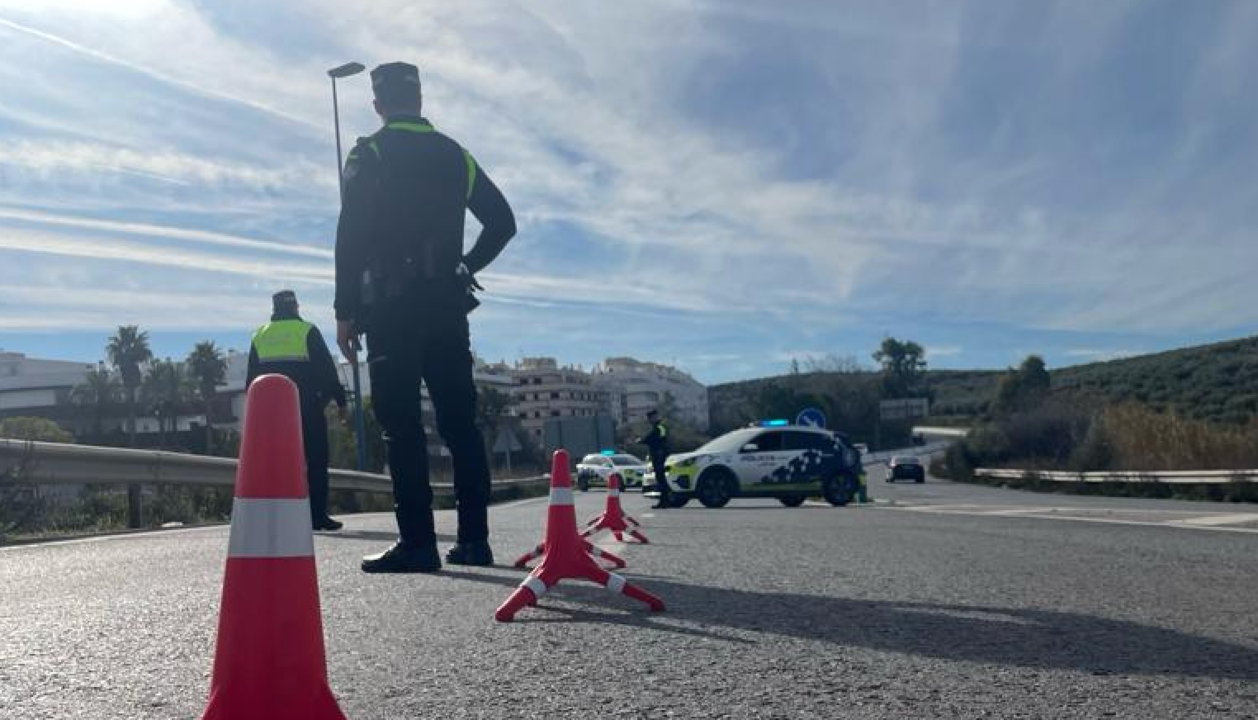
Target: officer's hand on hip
point(347, 339)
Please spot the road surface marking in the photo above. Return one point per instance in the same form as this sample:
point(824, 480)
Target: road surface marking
point(1222, 519)
point(1217, 522)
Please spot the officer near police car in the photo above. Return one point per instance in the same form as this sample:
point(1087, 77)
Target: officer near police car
point(403, 280)
point(656, 441)
point(290, 346)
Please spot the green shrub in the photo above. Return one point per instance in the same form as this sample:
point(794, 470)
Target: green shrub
point(33, 428)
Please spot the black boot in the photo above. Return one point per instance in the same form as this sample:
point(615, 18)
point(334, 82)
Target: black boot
point(404, 558)
point(661, 501)
point(470, 553)
point(328, 524)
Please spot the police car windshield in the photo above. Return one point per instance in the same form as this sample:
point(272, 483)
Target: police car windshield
point(731, 441)
point(625, 460)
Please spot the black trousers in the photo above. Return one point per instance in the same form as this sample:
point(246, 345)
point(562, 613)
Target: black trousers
point(404, 349)
point(314, 435)
point(661, 484)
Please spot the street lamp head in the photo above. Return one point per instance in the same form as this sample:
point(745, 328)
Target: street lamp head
point(344, 71)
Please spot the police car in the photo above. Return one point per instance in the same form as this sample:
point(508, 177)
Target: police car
point(769, 459)
point(594, 469)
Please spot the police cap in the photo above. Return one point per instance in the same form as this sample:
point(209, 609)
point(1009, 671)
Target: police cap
point(395, 80)
point(284, 299)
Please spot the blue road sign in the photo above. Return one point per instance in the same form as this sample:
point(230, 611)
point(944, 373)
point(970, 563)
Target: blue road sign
point(811, 417)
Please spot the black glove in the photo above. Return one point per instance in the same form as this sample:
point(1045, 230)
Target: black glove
point(469, 281)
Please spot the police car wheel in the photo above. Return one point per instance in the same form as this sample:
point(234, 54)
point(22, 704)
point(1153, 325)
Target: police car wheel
point(792, 500)
point(836, 492)
point(583, 483)
point(715, 488)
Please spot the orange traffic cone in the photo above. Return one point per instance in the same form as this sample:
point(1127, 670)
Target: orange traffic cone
point(614, 518)
point(564, 555)
point(269, 663)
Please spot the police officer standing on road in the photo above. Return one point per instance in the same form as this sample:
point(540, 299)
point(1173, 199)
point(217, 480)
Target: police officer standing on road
point(657, 443)
point(402, 279)
point(294, 348)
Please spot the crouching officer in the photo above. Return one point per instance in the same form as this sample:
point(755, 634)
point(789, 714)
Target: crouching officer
point(657, 443)
point(294, 348)
point(403, 279)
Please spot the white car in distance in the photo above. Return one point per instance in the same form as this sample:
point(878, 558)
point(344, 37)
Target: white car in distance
point(594, 469)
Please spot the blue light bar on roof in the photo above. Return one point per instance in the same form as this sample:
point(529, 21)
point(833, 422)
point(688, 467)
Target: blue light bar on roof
point(608, 453)
point(773, 423)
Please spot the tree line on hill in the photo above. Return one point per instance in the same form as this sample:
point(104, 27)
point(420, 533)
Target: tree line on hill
point(1194, 408)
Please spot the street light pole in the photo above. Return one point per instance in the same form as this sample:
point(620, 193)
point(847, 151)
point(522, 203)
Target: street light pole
point(344, 71)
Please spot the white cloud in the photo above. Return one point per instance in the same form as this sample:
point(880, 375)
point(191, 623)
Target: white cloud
point(1101, 355)
point(586, 116)
point(163, 231)
point(165, 165)
point(939, 351)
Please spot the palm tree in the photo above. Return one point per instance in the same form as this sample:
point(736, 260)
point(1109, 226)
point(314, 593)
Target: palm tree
point(128, 349)
point(97, 394)
point(208, 368)
point(166, 387)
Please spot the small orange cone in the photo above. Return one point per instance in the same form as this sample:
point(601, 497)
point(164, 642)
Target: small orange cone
point(614, 518)
point(269, 663)
point(564, 554)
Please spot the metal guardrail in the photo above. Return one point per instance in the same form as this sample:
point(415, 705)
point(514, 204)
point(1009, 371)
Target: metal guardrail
point(45, 463)
point(1176, 477)
point(926, 450)
point(940, 431)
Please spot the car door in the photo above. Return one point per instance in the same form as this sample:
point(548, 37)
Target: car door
point(794, 461)
point(605, 467)
point(758, 458)
point(817, 456)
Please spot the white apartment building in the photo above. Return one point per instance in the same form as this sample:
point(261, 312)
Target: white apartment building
point(635, 387)
point(544, 390)
point(34, 386)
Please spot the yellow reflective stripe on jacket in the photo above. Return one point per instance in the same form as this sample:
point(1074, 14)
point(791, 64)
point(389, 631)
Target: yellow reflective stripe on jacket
point(410, 126)
point(282, 340)
point(663, 430)
point(471, 171)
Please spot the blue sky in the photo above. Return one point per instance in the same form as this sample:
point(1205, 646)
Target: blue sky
point(723, 185)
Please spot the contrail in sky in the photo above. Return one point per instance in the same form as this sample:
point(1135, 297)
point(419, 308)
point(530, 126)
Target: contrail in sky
point(150, 73)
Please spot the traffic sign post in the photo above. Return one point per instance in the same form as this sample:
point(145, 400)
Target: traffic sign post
point(899, 409)
point(811, 417)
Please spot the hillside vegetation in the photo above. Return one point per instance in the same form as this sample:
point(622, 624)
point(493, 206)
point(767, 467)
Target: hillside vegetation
point(1216, 383)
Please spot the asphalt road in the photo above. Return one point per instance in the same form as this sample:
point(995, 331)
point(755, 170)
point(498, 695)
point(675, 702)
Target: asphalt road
point(941, 601)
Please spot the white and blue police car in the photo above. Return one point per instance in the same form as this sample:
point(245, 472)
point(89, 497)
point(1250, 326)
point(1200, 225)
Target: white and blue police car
point(770, 458)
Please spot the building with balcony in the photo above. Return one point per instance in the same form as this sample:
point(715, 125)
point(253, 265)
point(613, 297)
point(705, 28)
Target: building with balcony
point(634, 387)
point(544, 390)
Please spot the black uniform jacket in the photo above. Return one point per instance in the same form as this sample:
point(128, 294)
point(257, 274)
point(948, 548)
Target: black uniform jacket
point(407, 190)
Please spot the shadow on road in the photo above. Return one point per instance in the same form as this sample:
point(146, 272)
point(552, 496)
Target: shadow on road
point(1004, 636)
point(1030, 638)
point(373, 535)
point(547, 612)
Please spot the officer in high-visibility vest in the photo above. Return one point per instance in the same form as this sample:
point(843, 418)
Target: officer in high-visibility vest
point(657, 444)
point(402, 277)
point(293, 347)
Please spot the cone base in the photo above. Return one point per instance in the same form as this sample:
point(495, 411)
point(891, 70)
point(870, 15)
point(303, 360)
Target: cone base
point(319, 704)
point(569, 565)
